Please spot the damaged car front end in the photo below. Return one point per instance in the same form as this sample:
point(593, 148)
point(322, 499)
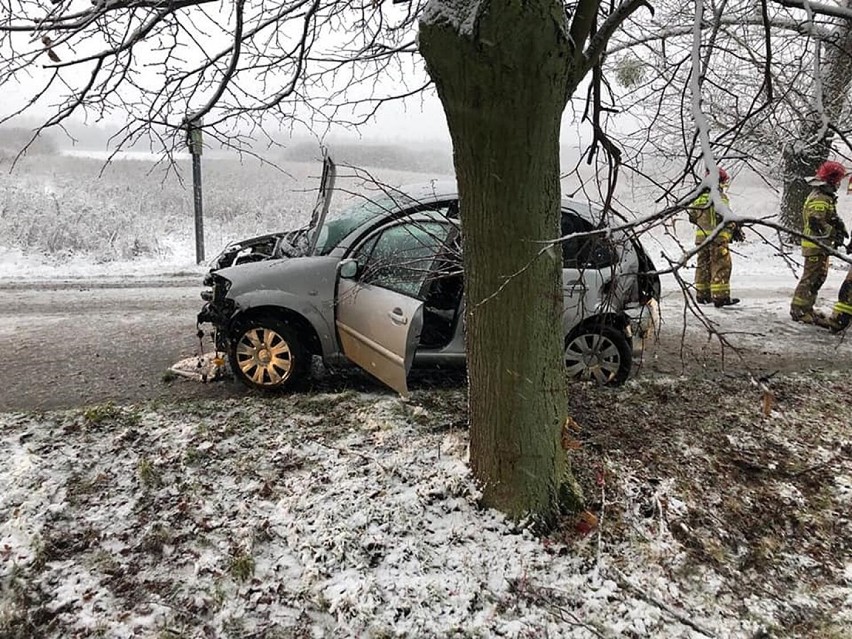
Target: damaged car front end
point(218, 309)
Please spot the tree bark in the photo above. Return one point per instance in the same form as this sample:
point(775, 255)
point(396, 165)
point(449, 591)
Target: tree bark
point(502, 70)
point(813, 147)
point(801, 162)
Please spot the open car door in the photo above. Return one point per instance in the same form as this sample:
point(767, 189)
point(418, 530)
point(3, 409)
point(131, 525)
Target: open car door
point(379, 331)
point(379, 313)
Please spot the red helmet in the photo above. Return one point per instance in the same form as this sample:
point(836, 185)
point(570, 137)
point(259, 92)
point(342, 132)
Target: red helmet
point(831, 173)
point(724, 178)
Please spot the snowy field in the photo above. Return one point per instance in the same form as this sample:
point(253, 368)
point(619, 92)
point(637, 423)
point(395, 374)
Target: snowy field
point(73, 216)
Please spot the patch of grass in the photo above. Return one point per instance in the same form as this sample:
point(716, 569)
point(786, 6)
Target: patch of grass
point(105, 562)
point(15, 613)
point(169, 376)
point(218, 594)
point(148, 473)
point(831, 630)
point(241, 566)
point(79, 487)
point(192, 456)
point(39, 553)
point(157, 537)
point(322, 403)
point(234, 627)
point(100, 413)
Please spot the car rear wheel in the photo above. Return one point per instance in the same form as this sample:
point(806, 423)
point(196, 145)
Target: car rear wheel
point(267, 354)
point(599, 352)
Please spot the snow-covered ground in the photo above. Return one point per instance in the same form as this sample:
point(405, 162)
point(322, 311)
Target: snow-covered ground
point(354, 515)
point(18, 266)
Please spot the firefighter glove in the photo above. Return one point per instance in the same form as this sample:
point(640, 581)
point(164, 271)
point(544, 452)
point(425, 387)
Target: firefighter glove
point(738, 235)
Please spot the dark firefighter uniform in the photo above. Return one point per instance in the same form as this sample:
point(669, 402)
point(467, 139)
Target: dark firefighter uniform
point(843, 307)
point(820, 222)
point(713, 273)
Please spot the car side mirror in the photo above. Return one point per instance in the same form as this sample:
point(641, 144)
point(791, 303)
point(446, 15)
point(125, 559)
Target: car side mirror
point(348, 269)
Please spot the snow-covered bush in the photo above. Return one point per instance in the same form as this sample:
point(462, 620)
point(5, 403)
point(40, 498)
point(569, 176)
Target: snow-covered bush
point(64, 207)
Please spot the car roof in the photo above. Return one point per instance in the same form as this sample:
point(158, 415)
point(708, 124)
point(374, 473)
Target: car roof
point(443, 190)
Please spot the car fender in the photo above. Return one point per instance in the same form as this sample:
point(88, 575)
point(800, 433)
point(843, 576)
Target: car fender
point(620, 321)
point(282, 303)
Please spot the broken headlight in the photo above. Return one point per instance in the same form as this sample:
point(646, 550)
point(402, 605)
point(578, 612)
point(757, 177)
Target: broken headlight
point(219, 290)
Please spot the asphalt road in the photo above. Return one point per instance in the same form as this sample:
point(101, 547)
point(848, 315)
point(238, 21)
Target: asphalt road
point(69, 344)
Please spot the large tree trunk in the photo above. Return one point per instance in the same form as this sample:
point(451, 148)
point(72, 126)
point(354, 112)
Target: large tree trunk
point(502, 74)
point(802, 159)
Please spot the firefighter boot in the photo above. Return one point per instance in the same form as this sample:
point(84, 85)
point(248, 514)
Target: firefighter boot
point(726, 301)
point(839, 322)
point(810, 317)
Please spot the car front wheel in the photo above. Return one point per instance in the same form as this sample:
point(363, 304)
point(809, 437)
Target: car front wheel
point(267, 354)
point(599, 352)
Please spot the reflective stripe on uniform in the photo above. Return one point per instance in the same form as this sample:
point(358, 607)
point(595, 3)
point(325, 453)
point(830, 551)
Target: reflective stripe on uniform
point(720, 288)
point(701, 235)
point(798, 301)
point(702, 287)
point(814, 205)
point(843, 307)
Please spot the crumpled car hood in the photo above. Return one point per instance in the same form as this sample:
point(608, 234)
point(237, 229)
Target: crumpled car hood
point(297, 275)
point(262, 247)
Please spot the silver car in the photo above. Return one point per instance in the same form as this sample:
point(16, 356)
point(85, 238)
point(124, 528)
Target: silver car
point(380, 285)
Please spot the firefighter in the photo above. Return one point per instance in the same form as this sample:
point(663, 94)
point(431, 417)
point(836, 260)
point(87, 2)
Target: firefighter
point(713, 272)
point(820, 222)
point(842, 314)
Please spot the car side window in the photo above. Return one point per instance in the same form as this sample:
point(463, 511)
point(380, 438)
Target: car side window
point(586, 251)
point(401, 257)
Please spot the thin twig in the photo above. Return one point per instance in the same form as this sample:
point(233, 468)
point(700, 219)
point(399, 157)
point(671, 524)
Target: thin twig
point(681, 617)
point(538, 598)
point(809, 469)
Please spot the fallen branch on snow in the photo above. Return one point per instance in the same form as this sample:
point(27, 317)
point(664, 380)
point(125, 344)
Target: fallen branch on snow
point(624, 582)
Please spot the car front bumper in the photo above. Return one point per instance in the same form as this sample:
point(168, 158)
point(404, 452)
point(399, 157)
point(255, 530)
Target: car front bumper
point(214, 314)
point(219, 315)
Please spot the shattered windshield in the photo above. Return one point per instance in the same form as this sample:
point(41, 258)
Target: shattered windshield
point(340, 224)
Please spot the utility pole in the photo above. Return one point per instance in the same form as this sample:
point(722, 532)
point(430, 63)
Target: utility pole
point(193, 140)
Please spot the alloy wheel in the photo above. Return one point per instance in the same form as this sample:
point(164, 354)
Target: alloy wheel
point(264, 357)
point(593, 356)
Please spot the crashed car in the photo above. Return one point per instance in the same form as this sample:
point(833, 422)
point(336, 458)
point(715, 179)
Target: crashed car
point(380, 285)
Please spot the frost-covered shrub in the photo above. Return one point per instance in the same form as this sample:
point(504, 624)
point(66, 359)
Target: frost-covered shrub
point(63, 207)
point(66, 219)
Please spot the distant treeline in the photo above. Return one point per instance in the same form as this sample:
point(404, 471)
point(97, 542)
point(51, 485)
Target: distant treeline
point(14, 139)
point(418, 159)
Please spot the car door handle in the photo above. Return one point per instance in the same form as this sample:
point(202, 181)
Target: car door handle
point(397, 317)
